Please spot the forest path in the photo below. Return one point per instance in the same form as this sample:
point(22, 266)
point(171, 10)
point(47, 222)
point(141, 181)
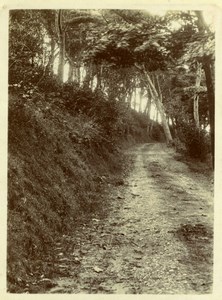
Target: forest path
point(156, 239)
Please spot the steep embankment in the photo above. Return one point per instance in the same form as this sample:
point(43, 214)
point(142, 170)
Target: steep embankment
point(61, 150)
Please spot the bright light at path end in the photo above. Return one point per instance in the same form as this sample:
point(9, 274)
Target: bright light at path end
point(155, 11)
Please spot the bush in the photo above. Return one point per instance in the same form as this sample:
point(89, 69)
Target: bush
point(157, 133)
point(196, 141)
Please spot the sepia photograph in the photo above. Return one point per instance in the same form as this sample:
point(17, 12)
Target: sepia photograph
point(111, 149)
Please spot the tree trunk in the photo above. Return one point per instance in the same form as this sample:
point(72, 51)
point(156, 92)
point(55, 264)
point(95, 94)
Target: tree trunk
point(141, 98)
point(71, 72)
point(98, 73)
point(78, 75)
point(149, 107)
point(210, 91)
point(196, 110)
point(150, 127)
point(140, 105)
point(207, 66)
point(196, 96)
point(134, 99)
point(159, 105)
point(158, 88)
point(174, 128)
point(149, 102)
point(166, 128)
point(88, 76)
point(61, 35)
point(157, 117)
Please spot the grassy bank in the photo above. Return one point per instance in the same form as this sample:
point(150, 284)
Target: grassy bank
point(61, 153)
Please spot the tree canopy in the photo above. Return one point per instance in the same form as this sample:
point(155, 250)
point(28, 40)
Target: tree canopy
point(145, 61)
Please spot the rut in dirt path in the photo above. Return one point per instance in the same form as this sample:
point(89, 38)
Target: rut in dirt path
point(157, 238)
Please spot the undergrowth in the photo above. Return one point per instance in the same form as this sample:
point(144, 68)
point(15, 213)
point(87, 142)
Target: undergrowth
point(60, 147)
point(193, 142)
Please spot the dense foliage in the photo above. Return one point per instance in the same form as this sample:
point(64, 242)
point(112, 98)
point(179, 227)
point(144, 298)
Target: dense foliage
point(129, 56)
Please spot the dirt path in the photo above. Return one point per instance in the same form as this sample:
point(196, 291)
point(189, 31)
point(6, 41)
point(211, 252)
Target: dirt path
point(157, 238)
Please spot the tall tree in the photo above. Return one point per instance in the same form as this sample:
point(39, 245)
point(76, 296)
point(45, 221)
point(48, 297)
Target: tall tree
point(61, 38)
point(48, 18)
point(191, 44)
point(208, 66)
point(159, 105)
point(196, 96)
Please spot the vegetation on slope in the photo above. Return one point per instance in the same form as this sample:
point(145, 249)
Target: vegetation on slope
point(60, 154)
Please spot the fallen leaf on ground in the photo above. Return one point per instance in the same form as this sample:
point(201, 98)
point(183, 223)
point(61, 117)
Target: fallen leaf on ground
point(77, 260)
point(96, 220)
point(97, 269)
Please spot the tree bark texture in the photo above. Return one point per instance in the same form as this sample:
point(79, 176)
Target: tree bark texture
point(211, 103)
point(99, 77)
point(61, 36)
point(149, 102)
point(88, 76)
point(71, 72)
point(196, 96)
